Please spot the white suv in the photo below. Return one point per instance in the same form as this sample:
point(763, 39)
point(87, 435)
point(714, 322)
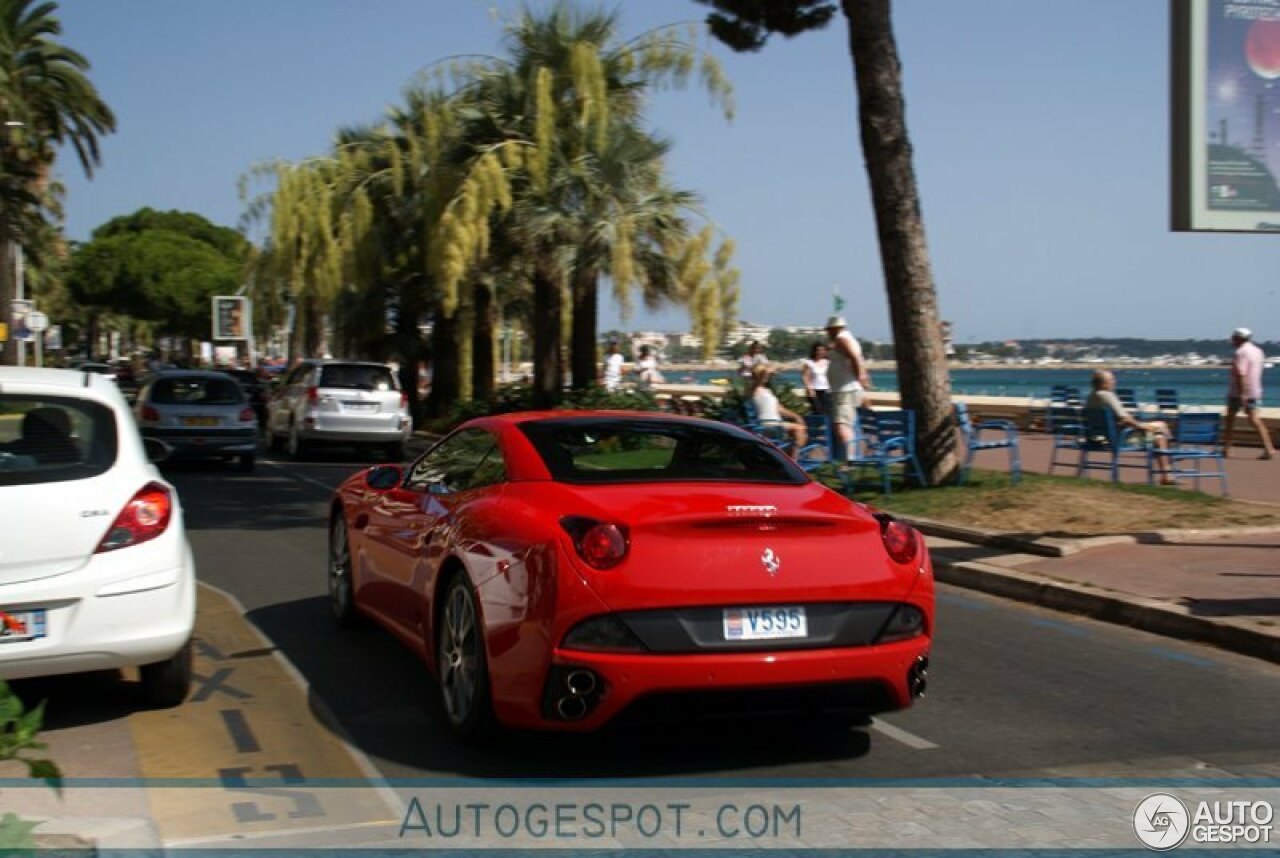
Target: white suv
point(341, 402)
point(95, 569)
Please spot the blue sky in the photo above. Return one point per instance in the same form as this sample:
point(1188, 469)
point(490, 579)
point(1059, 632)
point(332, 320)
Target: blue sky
point(1040, 131)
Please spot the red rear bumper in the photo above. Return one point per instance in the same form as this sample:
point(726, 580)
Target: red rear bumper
point(624, 679)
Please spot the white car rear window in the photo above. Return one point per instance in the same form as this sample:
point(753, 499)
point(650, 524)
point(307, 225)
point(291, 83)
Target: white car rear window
point(357, 377)
point(53, 439)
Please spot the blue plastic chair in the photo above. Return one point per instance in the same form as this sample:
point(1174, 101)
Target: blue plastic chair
point(1196, 439)
point(1167, 401)
point(883, 439)
point(1066, 425)
point(821, 449)
point(1102, 434)
point(974, 442)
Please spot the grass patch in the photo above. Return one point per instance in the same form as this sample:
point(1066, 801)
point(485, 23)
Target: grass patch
point(1064, 506)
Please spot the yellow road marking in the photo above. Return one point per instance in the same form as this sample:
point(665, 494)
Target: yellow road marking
point(247, 725)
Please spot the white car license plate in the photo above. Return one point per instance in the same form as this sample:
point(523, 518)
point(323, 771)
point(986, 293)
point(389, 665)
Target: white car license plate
point(361, 406)
point(18, 626)
point(764, 624)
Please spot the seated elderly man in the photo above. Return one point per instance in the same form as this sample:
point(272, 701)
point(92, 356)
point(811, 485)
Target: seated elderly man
point(1156, 432)
point(769, 411)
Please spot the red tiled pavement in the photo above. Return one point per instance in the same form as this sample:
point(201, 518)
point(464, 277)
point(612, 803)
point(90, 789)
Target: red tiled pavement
point(1236, 576)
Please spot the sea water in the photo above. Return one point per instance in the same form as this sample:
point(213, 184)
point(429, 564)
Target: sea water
point(1195, 385)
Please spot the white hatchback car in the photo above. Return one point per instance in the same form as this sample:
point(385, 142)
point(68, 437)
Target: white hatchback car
point(95, 569)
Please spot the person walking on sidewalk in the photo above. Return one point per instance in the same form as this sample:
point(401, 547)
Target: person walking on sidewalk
point(1245, 391)
point(848, 377)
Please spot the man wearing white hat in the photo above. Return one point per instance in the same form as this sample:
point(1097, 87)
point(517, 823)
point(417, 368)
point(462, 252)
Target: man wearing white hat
point(847, 375)
point(1245, 391)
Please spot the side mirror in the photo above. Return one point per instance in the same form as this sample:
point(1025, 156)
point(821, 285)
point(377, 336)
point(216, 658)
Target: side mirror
point(157, 450)
point(383, 478)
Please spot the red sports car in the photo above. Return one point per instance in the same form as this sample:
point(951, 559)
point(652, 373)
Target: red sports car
point(560, 569)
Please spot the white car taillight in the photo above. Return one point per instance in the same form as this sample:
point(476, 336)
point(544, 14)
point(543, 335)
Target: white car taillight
point(144, 517)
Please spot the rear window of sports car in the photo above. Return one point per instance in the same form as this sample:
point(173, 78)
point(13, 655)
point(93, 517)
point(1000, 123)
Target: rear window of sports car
point(587, 450)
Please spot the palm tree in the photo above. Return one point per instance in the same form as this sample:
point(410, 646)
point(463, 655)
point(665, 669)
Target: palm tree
point(589, 194)
point(45, 101)
point(924, 381)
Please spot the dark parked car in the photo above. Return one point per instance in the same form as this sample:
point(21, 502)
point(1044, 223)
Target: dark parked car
point(256, 388)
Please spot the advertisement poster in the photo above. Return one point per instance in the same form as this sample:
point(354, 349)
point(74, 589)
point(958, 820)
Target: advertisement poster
point(18, 312)
point(1226, 69)
point(230, 318)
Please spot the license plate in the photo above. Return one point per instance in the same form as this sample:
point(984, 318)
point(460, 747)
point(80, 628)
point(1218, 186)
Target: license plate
point(764, 624)
point(16, 626)
point(199, 421)
point(361, 406)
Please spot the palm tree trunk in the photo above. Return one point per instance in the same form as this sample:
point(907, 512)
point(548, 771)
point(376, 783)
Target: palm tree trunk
point(482, 357)
point(408, 342)
point(583, 345)
point(548, 372)
point(446, 380)
point(923, 377)
point(8, 291)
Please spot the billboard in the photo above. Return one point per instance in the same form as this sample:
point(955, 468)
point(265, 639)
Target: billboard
point(1225, 142)
point(230, 317)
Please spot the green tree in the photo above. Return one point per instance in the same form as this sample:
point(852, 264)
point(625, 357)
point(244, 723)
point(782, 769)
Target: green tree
point(160, 267)
point(46, 101)
point(745, 25)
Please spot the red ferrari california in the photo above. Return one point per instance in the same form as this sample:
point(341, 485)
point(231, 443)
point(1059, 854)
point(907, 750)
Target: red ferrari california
point(558, 570)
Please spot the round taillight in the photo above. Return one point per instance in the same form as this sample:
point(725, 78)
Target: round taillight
point(150, 414)
point(901, 541)
point(603, 546)
point(246, 415)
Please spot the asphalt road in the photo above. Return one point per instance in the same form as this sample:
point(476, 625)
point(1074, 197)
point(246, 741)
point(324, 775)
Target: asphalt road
point(1015, 691)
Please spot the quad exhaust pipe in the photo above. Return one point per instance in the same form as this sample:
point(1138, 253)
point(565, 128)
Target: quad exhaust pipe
point(579, 685)
point(918, 677)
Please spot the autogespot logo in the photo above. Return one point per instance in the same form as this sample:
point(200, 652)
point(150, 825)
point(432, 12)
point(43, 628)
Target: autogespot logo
point(1161, 821)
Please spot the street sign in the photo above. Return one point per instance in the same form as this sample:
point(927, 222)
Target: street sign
point(37, 322)
point(53, 338)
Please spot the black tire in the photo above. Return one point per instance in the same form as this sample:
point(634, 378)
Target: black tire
point(395, 452)
point(342, 593)
point(166, 684)
point(247, 461)
point(461, 663)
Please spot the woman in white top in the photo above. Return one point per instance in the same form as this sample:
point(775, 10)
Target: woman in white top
point(769, 411)
point(816, 385)
point(647, 368)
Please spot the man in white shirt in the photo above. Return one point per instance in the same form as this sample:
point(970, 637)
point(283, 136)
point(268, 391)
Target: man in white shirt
point(1244, 393)
point(612, 374)
point(848, 377)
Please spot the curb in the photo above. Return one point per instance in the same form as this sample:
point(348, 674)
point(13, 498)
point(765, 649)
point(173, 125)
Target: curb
point(88, 836)
point(1148, 615)
point(1055, 546)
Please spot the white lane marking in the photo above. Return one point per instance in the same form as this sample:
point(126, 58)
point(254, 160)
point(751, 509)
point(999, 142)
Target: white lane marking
point(302, 477)
point(911, 740)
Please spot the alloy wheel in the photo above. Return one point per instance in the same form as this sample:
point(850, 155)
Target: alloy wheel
point(341, 593)
point(459, 654)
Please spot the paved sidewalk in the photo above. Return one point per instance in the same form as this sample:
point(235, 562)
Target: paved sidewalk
point(1221, 587)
